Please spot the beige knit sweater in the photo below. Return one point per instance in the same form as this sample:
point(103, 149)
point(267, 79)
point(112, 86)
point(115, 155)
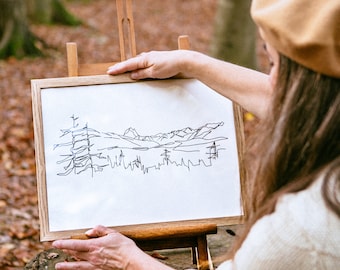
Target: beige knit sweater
point(301, 234)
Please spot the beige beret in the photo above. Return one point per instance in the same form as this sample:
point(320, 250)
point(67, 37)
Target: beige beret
point(306, 31)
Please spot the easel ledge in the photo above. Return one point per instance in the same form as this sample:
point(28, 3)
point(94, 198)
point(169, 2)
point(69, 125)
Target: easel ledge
point(144, 232)
point(192, 234)
point(159, 236)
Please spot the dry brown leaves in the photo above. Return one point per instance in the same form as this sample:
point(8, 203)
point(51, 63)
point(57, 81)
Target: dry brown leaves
point(157, 25)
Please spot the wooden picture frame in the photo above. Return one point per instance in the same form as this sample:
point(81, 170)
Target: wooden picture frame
point(120, 108)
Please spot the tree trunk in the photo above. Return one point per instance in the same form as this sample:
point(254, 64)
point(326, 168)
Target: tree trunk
point(15, 38)
point(40, 11)
point(235, 33)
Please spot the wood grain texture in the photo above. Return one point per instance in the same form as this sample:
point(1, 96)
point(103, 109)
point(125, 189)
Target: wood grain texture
point(142, 231)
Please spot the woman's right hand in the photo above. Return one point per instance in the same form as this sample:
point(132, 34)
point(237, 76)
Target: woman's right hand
point(154, 64)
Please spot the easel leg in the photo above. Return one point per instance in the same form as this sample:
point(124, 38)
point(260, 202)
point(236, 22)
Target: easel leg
point(202, 253)
point(194, 255)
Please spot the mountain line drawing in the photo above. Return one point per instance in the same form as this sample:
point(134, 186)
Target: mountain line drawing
point(86, 149)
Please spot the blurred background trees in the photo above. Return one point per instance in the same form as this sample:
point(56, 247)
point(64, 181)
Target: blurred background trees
point(235, 33)
point(234, 37)
point(49, 11)
point(16, 39)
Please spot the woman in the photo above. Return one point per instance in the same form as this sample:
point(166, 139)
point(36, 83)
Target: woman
point(295, 185)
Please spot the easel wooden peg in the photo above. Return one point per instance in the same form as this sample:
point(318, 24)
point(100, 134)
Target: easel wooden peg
point(77, 69)
point(183, 42)
point(72, 59)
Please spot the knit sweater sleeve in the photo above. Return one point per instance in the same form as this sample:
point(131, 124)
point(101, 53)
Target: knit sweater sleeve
point(301, 234)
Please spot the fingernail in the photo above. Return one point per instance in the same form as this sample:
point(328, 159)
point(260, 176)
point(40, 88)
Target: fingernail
point(112, 68)
point(134, 75)
point(55, 243)
point(59, 265)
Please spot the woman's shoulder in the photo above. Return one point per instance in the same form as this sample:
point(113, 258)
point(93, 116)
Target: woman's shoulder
point(307, 210)
point(302, 233)
point(306, 216)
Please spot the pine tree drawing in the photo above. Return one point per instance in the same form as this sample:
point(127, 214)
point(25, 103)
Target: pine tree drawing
point(80, 157)
point(166, 156)
point(212, 152)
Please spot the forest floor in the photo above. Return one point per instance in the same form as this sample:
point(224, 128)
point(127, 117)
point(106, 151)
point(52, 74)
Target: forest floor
point(157, 26)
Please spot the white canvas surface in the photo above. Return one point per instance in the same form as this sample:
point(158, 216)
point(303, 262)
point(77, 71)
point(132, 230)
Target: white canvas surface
point(136, 153)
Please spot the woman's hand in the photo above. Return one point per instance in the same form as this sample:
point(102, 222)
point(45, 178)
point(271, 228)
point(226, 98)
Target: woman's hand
point(155, 64)
point(249, 88)
point(106, 249)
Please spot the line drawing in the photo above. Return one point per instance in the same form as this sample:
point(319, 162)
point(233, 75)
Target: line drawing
point(87, 149)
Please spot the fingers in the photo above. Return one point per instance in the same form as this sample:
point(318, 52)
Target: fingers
point(128, 65)
point(145, 65)
point(76, 245)
point(154, 64)
point(108, 250)
point(98, 231)
point(141, 74)
point(82, 245)
point(74, 265)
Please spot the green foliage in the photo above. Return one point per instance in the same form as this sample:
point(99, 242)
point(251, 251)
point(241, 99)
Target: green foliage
point(62, 16)
point(21, 45)
point(50, 12)
point(16, 39)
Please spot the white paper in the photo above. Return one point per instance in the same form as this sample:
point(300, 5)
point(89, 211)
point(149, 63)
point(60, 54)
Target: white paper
point(136, 153)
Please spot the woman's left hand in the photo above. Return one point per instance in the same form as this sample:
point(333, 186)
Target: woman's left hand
point(105, 249)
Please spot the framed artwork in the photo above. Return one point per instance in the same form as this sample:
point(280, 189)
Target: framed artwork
point(127, 154)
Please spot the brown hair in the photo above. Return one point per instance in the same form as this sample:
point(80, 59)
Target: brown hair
point(298, 140)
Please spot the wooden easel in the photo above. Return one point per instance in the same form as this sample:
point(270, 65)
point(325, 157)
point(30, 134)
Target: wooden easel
point(154, 237)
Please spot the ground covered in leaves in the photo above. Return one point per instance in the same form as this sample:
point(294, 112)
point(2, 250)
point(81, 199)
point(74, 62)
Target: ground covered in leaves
point(157, 26)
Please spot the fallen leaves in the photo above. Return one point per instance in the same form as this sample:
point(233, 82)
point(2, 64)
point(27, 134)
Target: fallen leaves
point(97, 42)
point(19, 228)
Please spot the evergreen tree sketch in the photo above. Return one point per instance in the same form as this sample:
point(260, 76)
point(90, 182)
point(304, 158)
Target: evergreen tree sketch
point(80, 157)
point(212, 151)
point(166, 156)
point(188, 147)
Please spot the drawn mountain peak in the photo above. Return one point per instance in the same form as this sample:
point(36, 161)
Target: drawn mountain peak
point(200, 132)
point(132, 133)
point(207, 129)
point(180, 134)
